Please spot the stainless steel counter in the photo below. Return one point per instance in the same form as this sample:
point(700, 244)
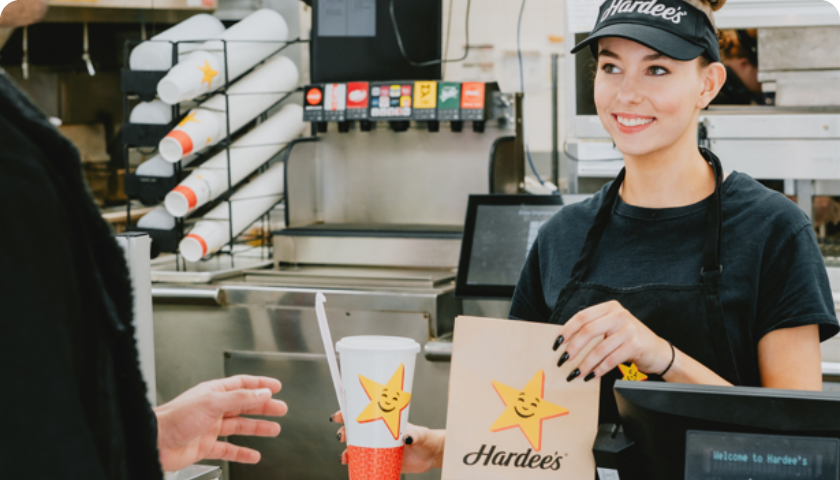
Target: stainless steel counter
point(253, 324)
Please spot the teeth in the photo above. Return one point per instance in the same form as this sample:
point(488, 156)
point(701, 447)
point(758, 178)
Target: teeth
point(634, 122)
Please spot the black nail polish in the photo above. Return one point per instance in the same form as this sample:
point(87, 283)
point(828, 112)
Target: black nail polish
point(558, 342)
point(563, 359)
point(331, 418)
point(408, 440)
point(338, 437)
point(589, 377)
point(573, 375)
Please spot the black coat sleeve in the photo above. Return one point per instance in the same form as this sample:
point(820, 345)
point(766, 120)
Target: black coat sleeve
point(46, 430)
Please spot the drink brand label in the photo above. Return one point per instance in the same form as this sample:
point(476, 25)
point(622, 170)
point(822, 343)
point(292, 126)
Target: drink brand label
point(314, 97)
point(425, 94)
point(335, 97)
point(357, 95)
point(449, 96)
point(472, 95)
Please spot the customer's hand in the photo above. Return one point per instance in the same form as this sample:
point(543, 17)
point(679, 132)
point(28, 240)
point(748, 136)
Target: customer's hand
point(189, 426)
point(423, 447)
point(22, 12)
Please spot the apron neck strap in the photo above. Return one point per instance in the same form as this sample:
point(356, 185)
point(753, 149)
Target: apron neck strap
point(711, 251)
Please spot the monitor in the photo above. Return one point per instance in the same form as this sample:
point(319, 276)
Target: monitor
point(702, 432)
point(498, 234)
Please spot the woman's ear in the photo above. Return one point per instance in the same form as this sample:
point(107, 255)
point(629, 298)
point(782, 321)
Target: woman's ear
point(713, 78)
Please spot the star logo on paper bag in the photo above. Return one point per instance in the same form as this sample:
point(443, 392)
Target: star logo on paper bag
point(387, 402)
point(526, 409)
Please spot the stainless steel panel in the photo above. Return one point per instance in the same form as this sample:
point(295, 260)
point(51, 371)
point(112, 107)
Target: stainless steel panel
point(811, 48)
point(191, 341)
point(306, 446)
point(776, 13)
point(415, 177)
point(334, 276)
point(195, 472)
point(214, 269)
point(778, 159)
point(302, 186)
point(779, 126)
point(396, 252)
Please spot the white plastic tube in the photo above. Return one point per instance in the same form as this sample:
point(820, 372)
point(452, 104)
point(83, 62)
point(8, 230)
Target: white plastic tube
point(246, 155)
point(157, 219)
point(206, 125)
point(248, 42)
point(157, 54)
point(158, 167)
point(249, 203)
point(153, 113)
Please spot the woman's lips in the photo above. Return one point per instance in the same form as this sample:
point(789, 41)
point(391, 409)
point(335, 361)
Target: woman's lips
point(635, 121)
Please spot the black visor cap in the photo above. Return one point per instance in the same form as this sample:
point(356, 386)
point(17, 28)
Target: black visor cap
point(671, 27)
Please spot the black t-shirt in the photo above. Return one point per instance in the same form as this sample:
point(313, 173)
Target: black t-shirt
point(774, 275)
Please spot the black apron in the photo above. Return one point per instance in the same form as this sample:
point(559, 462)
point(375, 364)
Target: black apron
point(690, 317)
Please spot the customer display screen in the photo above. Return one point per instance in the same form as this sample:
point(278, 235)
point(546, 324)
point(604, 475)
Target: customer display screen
point(724, 456)
point(499, 233)
point(503, 237)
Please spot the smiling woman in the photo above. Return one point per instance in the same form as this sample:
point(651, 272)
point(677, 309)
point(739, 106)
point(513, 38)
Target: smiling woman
point(687, 273)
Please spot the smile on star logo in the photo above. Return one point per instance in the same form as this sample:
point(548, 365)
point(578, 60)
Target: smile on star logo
point(632, 373)
point(387, 402)
point(4, 4)
point(209, 73)
point(526, 409)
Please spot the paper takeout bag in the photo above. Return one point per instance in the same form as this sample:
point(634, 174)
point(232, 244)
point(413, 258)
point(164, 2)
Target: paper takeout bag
point(511, 413)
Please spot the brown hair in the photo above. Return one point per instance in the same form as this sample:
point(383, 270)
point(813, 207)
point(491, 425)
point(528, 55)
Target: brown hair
point(708, 7)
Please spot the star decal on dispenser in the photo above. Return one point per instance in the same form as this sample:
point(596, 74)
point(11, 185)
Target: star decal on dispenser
point(526, 409)
point(189, 118)
point(209, 73)
point(387, 402)
point(632, 373)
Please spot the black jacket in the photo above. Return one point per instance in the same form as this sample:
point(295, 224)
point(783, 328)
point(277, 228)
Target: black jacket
point(72, 399)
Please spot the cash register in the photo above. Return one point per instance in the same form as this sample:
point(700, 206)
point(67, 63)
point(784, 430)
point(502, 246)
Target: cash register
point(702, 432)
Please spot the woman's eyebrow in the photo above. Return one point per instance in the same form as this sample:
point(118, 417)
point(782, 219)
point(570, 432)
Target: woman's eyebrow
point(607, 53)
point(655, 56)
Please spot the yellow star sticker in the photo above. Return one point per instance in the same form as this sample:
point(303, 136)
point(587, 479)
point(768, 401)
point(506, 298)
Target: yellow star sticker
point(526, 409)
point(386, 401)
point(209, 73)
point(189, 118)
point(632, 373)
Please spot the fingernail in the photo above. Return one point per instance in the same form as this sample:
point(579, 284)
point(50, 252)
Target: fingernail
point(573, 375)
point(558, 342)
point(263, 393)
point(408, 440)
point(331, 417)
point(563, 359)
point(338, 437)
point(589, 377)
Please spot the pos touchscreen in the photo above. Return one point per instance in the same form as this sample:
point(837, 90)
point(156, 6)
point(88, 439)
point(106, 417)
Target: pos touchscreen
point(498, 234)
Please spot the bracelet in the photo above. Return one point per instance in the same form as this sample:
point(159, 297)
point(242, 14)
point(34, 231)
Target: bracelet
point(673, 356)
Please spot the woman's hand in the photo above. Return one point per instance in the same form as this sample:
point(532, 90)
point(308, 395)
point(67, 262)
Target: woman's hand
point(423, 447)
point(626, 339)
point(190, 425)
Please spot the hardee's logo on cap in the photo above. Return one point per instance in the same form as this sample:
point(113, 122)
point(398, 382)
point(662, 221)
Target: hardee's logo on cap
point(651, 8)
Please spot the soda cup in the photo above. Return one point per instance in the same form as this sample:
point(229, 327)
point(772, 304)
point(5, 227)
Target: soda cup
point(377, 373)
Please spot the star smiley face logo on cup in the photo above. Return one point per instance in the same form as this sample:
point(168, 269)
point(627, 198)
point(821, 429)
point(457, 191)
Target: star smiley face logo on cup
point(387, 402)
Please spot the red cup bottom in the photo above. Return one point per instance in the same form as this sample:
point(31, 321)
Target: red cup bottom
point(374, 463)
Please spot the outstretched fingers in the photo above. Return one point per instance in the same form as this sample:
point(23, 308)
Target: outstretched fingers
point(272, 408)
point(233, 453)
point(249, 426)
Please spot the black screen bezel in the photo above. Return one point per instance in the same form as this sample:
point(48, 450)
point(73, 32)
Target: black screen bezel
point(489, 291)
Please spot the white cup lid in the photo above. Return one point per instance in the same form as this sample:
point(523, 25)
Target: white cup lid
point(374, 343)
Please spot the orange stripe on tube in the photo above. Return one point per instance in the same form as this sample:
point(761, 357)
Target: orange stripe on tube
point(374, 463)
point(184, 139)
point(201, 241)
point(188, 193)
